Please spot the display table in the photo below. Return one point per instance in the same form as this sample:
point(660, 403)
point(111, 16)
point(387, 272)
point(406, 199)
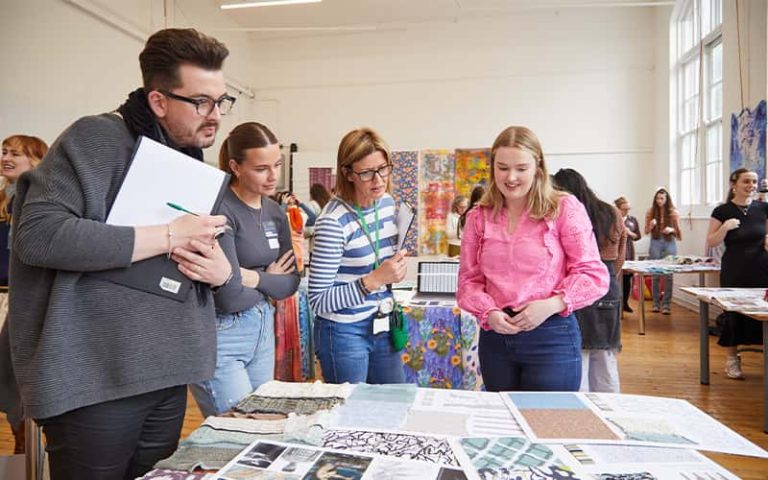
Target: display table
point(662, 267)
point(382, 432)
point(747, 301)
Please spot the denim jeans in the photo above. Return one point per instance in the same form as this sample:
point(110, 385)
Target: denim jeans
point(115, 440)
point(547, 358)
point(245, 358)
point(350, 352)
point(660, 248)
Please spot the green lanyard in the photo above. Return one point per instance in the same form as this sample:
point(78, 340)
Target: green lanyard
point(364, 225)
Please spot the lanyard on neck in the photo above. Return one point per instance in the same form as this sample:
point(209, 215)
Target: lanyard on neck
point(364, 226)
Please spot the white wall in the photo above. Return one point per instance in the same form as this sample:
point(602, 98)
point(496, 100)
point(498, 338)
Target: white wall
point(59, 62)
point(584, 79)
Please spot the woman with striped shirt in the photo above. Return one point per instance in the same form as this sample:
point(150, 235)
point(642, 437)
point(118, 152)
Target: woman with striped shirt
point(353, 261)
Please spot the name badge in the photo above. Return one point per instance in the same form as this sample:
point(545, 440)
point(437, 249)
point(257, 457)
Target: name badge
point(380, 324)
point(270, 229)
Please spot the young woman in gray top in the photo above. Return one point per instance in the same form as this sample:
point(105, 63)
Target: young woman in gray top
point(260, 242)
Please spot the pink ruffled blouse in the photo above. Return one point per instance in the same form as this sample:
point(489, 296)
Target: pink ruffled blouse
point(540, 259)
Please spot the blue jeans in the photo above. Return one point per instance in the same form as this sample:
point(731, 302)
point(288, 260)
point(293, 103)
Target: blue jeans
point(660, 248)
point(350, 352)
point(547, 358)
point(245, 358)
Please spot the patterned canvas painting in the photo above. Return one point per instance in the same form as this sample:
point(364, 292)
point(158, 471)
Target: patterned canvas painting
point(432, 356)
point(405, 188)
point(748, 139)
point(472, 166)
point(437, 170)
point(323, 175)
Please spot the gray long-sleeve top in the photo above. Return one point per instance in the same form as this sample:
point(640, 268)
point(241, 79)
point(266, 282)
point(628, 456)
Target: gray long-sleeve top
point(75, 339)
point(258, 238)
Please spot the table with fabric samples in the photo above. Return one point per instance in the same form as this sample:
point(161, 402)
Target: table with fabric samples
point(305, 431)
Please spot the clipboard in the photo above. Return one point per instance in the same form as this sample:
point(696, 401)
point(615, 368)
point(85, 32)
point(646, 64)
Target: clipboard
point(404, 221)
point(157, 174)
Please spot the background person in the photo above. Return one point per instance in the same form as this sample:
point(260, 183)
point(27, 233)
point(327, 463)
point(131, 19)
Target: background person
point(632, 227)
point(529, 259)
point(353, 261)
point(662, 223)
point(260, 244)
point(474, 199)
point(21, 153)
point(740, 223)
point(600, 323)
point(459, 205)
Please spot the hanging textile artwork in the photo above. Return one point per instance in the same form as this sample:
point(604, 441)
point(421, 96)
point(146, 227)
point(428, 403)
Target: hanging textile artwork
point(322, 175)
point(748, 140)
point(406, 189)
point(471, 169)
point(436, 189)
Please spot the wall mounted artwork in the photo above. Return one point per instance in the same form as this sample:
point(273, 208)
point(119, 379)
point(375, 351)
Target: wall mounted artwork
point(472, 166)
point(405, 188)
point(748, 139)
point(437, 171)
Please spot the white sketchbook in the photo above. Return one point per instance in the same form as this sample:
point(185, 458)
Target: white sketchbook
point(158, 175)
point(404, 220)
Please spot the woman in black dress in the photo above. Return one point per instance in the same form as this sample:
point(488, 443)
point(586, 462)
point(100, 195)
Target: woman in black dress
point(741, 224)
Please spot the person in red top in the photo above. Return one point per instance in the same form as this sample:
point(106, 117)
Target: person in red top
point(528, 260)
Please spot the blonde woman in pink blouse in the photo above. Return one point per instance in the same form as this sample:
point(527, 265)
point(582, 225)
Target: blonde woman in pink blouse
point(528, 260)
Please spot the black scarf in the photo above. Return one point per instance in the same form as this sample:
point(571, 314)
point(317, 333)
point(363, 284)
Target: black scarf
point(141, 121)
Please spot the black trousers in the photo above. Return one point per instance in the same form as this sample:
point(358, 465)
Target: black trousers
point(116, 440)
point(627, 289)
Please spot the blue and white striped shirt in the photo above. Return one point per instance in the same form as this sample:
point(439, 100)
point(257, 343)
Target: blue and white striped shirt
point(342, 254)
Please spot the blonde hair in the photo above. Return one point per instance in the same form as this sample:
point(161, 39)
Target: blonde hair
point(543, 200)
point(34, 149)
point(355, 146)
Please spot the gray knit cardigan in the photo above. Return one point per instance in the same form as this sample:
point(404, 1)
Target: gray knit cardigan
point(77, 340)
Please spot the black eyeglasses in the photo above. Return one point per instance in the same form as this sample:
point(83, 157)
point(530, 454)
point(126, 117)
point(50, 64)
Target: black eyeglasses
point(367, 175)
point(204, 105)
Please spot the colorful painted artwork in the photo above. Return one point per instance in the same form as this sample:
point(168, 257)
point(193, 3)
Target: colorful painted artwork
point(432, 356)
point(322, 175)
point(471, 169)
point(405, 188)
point(748, 139)
point(437, 171)
point(470, 338)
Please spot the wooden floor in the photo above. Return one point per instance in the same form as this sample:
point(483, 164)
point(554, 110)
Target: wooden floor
point(664, 362)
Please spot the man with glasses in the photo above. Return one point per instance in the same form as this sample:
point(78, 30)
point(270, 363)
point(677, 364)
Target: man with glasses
point(101, 366)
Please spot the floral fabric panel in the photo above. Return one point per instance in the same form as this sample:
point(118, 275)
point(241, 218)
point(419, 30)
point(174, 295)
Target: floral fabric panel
point(442, 348)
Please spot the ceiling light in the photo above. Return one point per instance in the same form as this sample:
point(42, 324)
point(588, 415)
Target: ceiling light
point(265, 3)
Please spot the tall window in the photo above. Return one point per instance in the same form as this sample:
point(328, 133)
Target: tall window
point(698, 72)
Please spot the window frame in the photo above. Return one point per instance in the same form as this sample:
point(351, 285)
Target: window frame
point(692, 182)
